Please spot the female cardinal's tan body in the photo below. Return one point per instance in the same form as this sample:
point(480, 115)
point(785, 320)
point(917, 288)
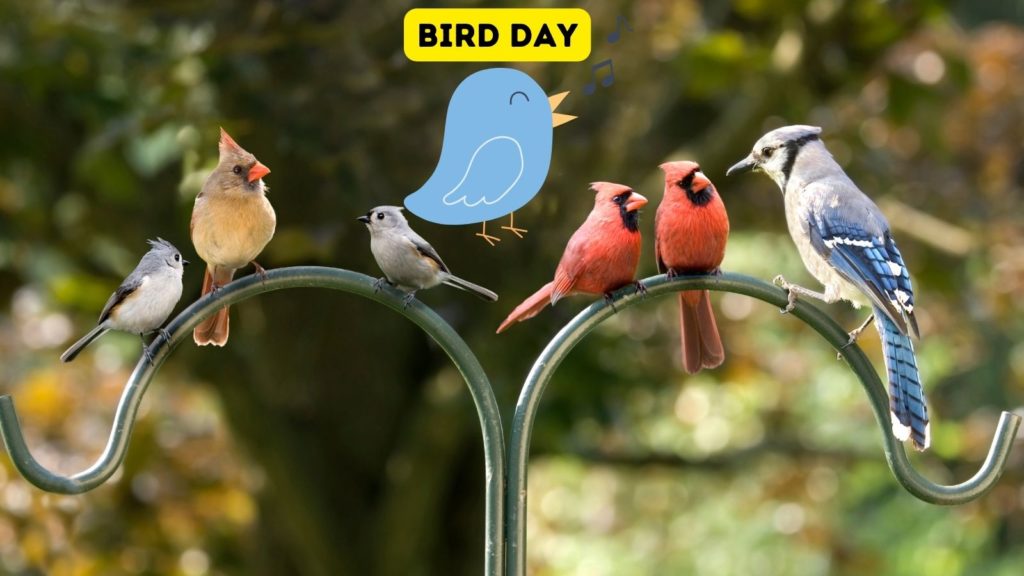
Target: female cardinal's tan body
point(601, 256)
point(232, 221)
point(690, 231)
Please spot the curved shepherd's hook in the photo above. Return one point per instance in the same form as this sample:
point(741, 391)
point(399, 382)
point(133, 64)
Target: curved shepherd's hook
point(559, 347)
point(299, 277)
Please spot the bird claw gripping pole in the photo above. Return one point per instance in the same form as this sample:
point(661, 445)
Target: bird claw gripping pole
point(559, 347)
point(299, 277)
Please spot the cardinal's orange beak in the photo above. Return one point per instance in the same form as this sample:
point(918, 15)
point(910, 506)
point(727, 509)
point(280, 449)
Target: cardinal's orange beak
point(557, 119)
point(636, 202)
point(258, 170)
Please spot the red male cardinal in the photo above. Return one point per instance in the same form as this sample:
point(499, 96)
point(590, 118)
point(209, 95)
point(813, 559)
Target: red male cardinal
point(601, 256)
point(690, 231)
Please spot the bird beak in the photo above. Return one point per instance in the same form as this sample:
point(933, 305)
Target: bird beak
point(184, 262)
point(744, 165)
point(258, 170)
point(365, 219)
point(636, 202)
point(558, 119)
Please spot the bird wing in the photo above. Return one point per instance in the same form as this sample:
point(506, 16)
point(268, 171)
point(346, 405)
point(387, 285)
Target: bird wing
point(127, 288)
point(493, 170)
point(856, 241)
point(657, 243)
point(424, 248)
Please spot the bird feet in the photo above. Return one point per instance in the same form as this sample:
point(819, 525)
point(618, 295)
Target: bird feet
point(163, 332)
point(609, 299)
point(640, 289)
point(854, 335)
point(789, 288)
point(145, 348)
point(492, 240)
point(517, 231)
point(260, 270)
point(407, 299)
point(379, 283)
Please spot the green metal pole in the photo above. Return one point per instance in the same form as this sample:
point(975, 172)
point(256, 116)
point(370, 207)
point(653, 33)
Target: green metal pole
point(559, 347)
point(299, 277)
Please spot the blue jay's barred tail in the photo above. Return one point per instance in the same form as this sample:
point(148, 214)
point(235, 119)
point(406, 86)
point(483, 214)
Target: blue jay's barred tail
point(906, 396)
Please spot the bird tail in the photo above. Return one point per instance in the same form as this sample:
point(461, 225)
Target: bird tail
point(470, 287)
point(529, 308)
point(214, 330)
point(906, 395)
point(702, 346)
point(76, 348)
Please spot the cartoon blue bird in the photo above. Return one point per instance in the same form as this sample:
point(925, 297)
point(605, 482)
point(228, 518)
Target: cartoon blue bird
point(496, 151)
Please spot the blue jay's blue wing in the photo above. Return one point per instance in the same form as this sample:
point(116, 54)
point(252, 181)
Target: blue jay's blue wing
point(869, 261)
point(490, 174)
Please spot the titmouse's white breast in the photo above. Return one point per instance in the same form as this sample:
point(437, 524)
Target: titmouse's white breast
point(146, 308)
point(402, 263)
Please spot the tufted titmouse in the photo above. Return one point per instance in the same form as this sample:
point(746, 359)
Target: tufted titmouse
point(232, 221)
point(407, 260)
point(143, 301)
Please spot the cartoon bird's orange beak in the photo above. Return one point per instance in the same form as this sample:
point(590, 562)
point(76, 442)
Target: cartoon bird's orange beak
point(258, 170)
point(636, 202)
point(556, 118)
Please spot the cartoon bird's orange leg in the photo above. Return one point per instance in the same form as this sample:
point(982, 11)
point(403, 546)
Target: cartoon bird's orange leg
point(487, 237)
point(512, 226)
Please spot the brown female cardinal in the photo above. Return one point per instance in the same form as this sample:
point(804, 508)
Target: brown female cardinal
point(232, 221)
point(690, 231)
point(601, 256)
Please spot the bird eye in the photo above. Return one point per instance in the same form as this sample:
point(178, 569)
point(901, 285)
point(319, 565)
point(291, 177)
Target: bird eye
point(380, 215)
point(177, 257)
point(767, 151)
point(514, 95)
point(237, 169)
point(681, 184)
point(619, 199)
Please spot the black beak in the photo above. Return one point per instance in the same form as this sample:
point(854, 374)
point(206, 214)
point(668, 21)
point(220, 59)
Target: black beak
point(745, 165)
point(365, 219)
point(184, 262)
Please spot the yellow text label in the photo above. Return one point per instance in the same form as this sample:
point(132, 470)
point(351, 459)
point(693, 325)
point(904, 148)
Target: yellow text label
point(497, 35)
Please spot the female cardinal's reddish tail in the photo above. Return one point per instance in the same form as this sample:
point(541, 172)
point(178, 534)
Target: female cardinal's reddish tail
point(691, 229)
point(601, 256)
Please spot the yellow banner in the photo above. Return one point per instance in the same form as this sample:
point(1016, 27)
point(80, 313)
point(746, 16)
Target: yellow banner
point(497, 35)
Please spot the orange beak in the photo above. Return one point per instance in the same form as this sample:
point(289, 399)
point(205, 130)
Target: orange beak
point(636, 202)
point(258, 171)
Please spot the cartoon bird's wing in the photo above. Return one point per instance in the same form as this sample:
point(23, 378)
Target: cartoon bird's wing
point(490, 174)
point(126, 289)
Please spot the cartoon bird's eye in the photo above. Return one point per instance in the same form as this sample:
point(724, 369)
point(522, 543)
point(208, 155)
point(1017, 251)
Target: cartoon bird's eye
point(767, 151)
point(514, 95)
point(380, 215)
point(177, 257)
point(237, 169)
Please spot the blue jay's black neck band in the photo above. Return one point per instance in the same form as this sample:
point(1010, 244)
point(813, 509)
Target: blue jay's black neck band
point(792, 150)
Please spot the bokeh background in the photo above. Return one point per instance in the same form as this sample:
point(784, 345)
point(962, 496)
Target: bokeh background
point(331, 438)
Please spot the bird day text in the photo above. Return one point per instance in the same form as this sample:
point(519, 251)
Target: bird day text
point(497, 35)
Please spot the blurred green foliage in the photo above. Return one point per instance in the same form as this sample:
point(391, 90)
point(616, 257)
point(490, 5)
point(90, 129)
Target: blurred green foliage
point(331, 438)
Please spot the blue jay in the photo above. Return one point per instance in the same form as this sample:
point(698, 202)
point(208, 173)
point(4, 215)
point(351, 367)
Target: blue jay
point(845, 242)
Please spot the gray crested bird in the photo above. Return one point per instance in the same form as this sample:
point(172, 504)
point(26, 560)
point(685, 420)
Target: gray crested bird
point(846, 244)
point(408, 261)
point(142, 302)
